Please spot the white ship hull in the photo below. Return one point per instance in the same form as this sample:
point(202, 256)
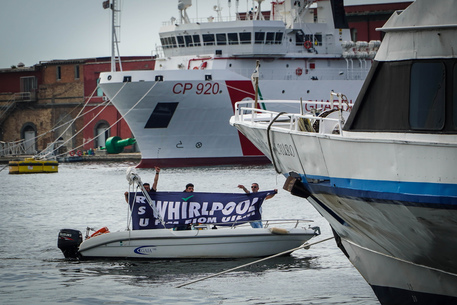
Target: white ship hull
point(179, 112)
point(198, 132)
point(391, 202)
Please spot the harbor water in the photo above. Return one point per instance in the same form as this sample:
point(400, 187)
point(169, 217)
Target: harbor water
point(35, 207)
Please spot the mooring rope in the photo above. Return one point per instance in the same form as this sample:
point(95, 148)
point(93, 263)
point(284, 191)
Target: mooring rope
point(305, 245)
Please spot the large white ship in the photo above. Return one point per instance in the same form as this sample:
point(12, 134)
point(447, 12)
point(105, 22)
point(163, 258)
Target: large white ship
point(179, 111)
point(384, 174)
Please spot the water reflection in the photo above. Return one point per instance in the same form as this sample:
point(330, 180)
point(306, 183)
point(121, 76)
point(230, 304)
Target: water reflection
point(136, 272)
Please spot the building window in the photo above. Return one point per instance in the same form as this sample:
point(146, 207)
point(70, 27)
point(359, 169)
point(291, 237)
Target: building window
point(77, 72)
point(59, 72)
point(99, 90)
point(427, 96)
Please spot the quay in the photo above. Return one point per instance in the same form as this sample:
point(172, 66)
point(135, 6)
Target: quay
point(135, 156)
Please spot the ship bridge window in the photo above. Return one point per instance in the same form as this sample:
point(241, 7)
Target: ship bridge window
point(208, 39)
point(161, 116)
point(316, 39)
point(180, 41)
point(427, 96)
point(188, 40)
point(168, 42)
point(232, 38)
point(245, 37)
point(270, 38)
point(278, 37)
point(163, 41)
point(221, 39)
point(196, 40)
point(259, 37)
point(299, 38)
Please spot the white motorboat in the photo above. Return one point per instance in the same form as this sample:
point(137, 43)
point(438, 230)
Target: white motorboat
point(178, 111)
point(384, 174)
point(200, 242)
point(200, 225)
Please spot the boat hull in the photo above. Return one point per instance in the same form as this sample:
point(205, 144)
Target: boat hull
point(219, 243)
point(33, 166)
point(183, 119)
point(392, 202)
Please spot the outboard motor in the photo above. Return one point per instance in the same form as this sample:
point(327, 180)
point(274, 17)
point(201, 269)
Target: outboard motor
point(68, 242)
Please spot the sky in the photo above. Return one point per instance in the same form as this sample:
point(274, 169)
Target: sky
point(41, 30)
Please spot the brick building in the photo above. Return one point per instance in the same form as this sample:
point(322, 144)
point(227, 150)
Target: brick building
point(42, 103)
point(363, 20)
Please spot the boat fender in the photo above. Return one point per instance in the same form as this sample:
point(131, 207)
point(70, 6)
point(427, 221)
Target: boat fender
point(79, 153)
point(299, 71)
point(100, 232)
point(279, 231)
point(308, 44)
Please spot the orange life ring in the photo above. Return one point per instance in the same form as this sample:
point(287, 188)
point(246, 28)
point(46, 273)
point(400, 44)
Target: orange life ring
point(100, 232)
point(79, 153)
point(195, 68)
point(71, 153)
point(308, 44)
point(299, 71)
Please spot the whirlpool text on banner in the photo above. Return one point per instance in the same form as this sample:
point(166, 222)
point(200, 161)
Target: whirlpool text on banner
point(181, 208)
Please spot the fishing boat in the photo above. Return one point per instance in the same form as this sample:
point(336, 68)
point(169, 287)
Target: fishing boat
point(165, 225)
point(384, 173)
point(33, 166)
point(178, 112)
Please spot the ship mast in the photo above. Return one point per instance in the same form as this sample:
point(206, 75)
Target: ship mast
point(115, 31)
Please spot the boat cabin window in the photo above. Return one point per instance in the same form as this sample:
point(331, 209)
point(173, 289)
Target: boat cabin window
point(188, 40)
point(196, 40)
point(208, 39)
point(259, 37)
point(299, 38)
point(180, 41)
point(278, 37)
point(270, 38)
point(245, 37)
point(454, 97)
point(316, 39)
point(221, 39)
point(168, 42)
point(232, 38)
point(427, 96)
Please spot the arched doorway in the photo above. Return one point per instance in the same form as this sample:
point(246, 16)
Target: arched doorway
point(103, 133)
point(28, 133)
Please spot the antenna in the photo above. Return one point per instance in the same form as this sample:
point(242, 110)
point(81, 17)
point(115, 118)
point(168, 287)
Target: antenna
point(115, 31)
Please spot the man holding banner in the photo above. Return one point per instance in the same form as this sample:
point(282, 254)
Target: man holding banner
point(255, 189)
point(177, 209)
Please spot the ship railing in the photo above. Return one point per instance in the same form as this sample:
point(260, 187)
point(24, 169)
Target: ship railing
point(313, 121)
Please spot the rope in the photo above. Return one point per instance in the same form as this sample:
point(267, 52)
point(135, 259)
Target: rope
point(122, 116)
point(305, 245)
point(43, 134)
point(269, 141)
